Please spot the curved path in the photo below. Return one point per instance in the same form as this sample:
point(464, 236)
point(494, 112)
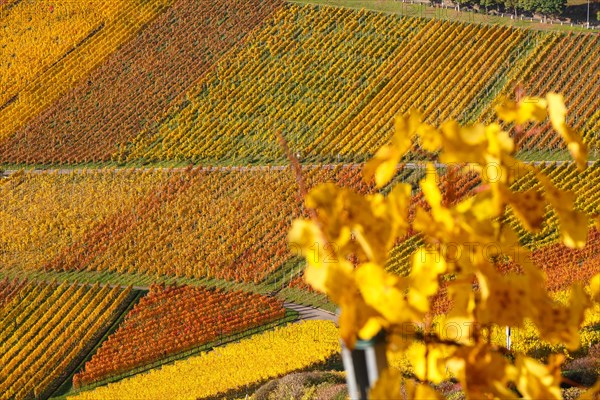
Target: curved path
point(311, 313)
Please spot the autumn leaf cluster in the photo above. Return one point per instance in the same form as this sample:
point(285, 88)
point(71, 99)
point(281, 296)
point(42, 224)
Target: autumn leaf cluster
point(464, 243)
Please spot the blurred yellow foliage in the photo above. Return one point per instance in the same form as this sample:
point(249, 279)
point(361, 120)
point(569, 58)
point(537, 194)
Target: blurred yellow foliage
point(464, 244)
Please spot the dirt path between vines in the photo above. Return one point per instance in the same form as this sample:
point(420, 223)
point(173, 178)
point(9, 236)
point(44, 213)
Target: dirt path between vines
point(311, 313)
point(242, 168)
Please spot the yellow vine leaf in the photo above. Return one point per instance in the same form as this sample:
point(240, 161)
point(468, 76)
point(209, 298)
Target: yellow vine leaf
point(482, 372)
point(392, 385)
point(429, 361)
point(527, 109)
point(537, 380)
point(467, 244)
point(302, 236)
point(558, 112)
point(529, 207)
point(459, 321)
point(357, 319)
point(462, 144)
point(560, 324)
point(431, 192)
point(430, 138)
point(426, 268)
point(383, 165)
point(592, 393)
point(384, 292)
point(573, 223)
point(595, 288)
point(503, 298)
point(500, 143)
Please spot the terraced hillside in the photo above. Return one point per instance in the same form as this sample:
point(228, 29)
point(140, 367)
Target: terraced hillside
point(242, 365)
point(567, 64)
point(172, 320)
point(224, 223)
point(183, 116)
point(47, 49)
point(167, 217)
point(328, 79)
point(329, 113)
point(47, 328)
point(201, 223)
point(134, 85)
point(296, 64)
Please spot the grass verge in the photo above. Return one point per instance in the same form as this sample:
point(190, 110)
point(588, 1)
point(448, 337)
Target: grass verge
point(421, 10)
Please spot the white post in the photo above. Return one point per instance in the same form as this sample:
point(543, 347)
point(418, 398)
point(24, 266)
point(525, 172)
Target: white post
point(363, 365)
